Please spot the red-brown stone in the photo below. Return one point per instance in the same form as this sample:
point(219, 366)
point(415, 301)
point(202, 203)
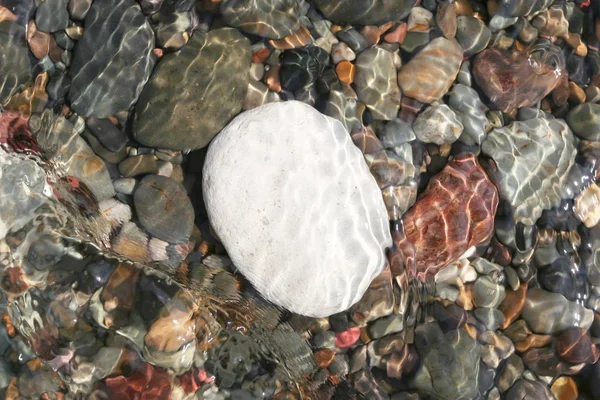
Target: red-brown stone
point(455, 212)
point(514, 79)
point(575, 346)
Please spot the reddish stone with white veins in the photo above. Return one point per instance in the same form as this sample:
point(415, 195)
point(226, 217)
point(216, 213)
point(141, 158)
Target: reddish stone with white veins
point(456, 211)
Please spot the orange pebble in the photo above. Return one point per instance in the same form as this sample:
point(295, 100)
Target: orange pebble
point(324, 357)
point(345, 71)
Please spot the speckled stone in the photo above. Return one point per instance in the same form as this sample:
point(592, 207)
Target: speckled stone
point(164, 209)
point(116, 47)
point(15, 68)
point(438, 124)
point(376, 83)
point(469, 108)
point(207, 81)
point(584, 120)
point(537, 175)
point(547, 312)
point(369, 12)
point(270, 19)
point(429, 75)
point(472, 34)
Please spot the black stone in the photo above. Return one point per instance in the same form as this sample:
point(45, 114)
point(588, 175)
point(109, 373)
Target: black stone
point(151, 295)
point(107, 133)
point(339, 322)
point(302, 66)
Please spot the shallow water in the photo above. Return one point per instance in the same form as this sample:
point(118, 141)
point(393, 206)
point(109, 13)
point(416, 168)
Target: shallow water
point(478, 121)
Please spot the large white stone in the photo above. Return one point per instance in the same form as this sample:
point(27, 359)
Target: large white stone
point(293, 201)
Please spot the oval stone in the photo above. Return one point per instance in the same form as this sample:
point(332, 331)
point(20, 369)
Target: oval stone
point(194, 92)
point(116, 47)
point(164, 209)
point(294, 204)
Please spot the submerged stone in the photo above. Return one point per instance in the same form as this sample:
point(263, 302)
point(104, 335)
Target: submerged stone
point(112, 61)
point(194, 92)
point(308, 167)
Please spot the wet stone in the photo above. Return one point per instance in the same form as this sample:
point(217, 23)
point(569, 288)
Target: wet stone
point(270, 19)
point(78, 9)
point(163, 208)
point(438, 124)
point(471, 112)
point(107, 133)
point(138, 165)
point(575, 346)
point(509, 373)
point(565, 276)
point(565, 388)
point(116, 47)
point(547, 143)
point(472, 34)
point(450, 317)
point(52, 15)
point(71, 150)
point(371, 12)
point(445, 18)
point(442, 206)
point(529, 81)
point(450, 360)
point(353, 39)
point(15, 69)
point(547, 312)
point(376, 83)
point(302, 66)
point(487, 293)
point(429, 75)
point(386, 325)
point(492, 318)
point(207, 83)
point(584, 120)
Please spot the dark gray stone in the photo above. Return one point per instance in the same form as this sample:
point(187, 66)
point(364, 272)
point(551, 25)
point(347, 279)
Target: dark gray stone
point(164, 209)
point(472, 34)
point(52, 15)
point(195, 92)
point(79, 9)
point(113, 60)
point(107, 133)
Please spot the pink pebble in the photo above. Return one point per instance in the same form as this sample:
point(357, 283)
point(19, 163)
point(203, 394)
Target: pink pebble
point(347, 338)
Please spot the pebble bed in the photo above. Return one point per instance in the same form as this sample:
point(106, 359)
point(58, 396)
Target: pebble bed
point(479, 120)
